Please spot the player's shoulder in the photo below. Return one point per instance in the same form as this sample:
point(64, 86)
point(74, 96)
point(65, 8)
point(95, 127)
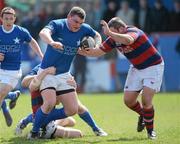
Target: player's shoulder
point(56, 24)
point(59, 21)
point(85, 25)
point(20, 28)
point(132, 29)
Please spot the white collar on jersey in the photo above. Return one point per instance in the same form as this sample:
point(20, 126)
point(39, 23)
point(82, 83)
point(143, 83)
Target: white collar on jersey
point(5, 31)
point(67, 24)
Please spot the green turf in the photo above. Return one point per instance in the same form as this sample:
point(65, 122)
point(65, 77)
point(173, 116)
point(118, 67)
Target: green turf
point(112, 115)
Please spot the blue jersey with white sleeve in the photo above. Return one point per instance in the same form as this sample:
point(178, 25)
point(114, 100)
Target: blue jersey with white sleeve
point(62, 59)
point(11, 45)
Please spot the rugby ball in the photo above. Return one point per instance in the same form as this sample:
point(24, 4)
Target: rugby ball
point(87, 42)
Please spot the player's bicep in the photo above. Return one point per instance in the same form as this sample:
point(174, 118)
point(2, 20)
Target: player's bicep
point(130, 39)
point(45, 31)
point(132, 36)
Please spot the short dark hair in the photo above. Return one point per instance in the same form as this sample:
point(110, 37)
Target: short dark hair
point(78, 11)
point(7, 10)
point(116, 23)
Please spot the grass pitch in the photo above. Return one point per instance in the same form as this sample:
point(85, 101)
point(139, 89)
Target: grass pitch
point(110, 114)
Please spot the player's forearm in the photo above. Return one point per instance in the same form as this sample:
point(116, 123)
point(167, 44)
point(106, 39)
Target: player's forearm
point(45, 35)
point(41, 75)
point(98, 39)
point(34, 45)
point(35, 83)
point(95, 52)
point(121, 38)
point(27, 80)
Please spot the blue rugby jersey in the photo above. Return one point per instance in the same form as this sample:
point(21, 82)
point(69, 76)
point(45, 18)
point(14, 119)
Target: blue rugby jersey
point(62, 59)
point(141, 53)
point(11, 44)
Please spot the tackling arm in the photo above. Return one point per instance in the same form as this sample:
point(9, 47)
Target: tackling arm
point(93, 52)
point(36, 81)
point(27, 80)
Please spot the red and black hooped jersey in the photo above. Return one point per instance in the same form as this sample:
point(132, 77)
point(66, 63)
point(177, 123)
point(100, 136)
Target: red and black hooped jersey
point(141, 53)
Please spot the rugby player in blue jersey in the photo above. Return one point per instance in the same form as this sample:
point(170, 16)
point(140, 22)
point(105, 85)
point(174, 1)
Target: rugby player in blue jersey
point(63, 37)
point(13, 97)
point(11, 39)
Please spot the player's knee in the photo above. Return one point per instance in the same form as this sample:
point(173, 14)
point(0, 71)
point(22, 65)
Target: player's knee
point(71, 111)
point(82, 109)
point(127, 102)
point(147, 105)
point(48, 106)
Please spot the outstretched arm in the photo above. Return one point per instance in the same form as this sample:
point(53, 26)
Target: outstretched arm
point(92, 52)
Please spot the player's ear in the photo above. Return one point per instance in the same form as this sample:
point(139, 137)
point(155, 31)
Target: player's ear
point(121, 29)
point(14, 18)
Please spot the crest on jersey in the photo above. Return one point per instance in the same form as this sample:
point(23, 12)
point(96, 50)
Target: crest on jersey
point(16, 40)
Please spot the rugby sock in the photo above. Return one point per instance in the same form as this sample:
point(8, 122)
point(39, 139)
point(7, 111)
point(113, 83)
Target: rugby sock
point(40, 117)
point(55, 114)
point(28, 119)
point(137, 108)
point(149, 119)
point(11, 95)
point(86, 116)
point(4, 107)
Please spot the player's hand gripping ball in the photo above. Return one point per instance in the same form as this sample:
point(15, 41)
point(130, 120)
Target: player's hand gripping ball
point(87, 42)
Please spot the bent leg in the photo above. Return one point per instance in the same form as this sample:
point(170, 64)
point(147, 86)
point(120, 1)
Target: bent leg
point(67, 132)
point(130, 99)
point(4, 90)
point(148, 110)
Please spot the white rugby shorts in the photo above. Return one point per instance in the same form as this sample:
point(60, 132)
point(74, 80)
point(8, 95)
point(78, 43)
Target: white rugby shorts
point(10, 77)
point(150, 77)
point(59, 82)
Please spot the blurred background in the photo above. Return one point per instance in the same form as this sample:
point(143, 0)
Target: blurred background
point(160, 19)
